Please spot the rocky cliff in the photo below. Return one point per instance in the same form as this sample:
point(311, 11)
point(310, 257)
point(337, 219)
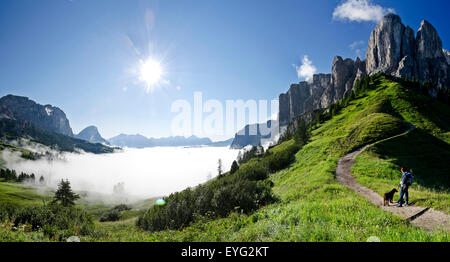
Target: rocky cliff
point(46, 117)
point(92, 135)
point(255, 134)
point(393, 49)
point(324, 90)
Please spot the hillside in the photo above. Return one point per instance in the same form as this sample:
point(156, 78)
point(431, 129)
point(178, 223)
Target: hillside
point(310, 204)
point(313, 206)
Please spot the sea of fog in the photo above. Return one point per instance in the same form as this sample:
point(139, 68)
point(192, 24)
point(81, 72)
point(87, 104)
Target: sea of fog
point(149, 172)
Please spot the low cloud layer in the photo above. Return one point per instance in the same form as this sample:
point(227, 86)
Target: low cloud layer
point(149, 172)
point(360, 11)
point(306, 70)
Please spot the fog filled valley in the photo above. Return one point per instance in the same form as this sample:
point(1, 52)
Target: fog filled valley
point(145, 173)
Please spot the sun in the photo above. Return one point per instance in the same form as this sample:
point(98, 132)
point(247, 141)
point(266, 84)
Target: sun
point(150, 72)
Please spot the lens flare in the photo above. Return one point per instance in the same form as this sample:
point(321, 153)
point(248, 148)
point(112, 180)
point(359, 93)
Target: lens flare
point(160, 202)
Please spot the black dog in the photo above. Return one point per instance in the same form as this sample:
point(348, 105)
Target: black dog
point(389, 197)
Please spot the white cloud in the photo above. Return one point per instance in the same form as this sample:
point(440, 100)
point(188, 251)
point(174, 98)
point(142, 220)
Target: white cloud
point(360, 11)
point(306, 70)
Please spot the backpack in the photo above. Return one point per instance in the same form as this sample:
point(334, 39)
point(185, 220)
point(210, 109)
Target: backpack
point(409, 178)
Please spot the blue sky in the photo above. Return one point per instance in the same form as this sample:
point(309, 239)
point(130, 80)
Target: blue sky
point(80, 55)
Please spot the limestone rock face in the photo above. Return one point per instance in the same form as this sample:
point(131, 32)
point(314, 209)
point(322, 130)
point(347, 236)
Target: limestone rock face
point(406, 68)
point(256, 134)
point(91, 134)
point(430, 59)
point(388, 44)
point(46, 117)
point(324, 90)
point(393, 49)
point(343, 75)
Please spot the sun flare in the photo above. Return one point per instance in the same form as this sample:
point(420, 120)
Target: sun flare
point(150, 72)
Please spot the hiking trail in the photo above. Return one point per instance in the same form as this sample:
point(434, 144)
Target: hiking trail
point(423, 217)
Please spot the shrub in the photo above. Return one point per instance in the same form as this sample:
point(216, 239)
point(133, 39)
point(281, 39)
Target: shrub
point(114, 213)
point(51, 219)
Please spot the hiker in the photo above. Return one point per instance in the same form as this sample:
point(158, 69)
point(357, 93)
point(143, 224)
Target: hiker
point(405, 183)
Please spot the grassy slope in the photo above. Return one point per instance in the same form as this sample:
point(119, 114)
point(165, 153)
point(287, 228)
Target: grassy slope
point(313, 206)
point(426, 151)
point(21, 194)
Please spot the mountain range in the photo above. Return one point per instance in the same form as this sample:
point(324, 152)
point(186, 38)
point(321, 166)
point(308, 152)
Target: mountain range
point(48, 125)
point(140, 141)
point(393, 49)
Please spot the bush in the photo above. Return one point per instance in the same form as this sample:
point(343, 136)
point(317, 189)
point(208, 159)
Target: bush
point(114, 213)
point(51, 219)
point(281, 159)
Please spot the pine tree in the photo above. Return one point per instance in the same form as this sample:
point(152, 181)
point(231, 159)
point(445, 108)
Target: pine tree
point(234, 167)
point(219, 167)
point(301, 135)
point(65, 195)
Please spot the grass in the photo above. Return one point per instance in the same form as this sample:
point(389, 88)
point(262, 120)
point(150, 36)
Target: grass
point(21, 194)
point(312, 205)
point(25, 153)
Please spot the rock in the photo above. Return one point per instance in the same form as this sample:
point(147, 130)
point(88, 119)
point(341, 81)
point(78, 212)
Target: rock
point(388, 44)
point(255, 134)
point(46, 117)
point(73, 239)
point(430, 59)
point(343, 74)
point(293, 102)
point(393, 49)
point(406, 68)
point(447, 55)
point(324, 90)
point(92, 135)
point(360, 66)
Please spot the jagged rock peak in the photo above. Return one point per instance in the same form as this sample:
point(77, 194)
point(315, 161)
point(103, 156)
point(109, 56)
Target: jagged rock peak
point(393, 49)
point(91, 134)
point(388, 44)
point(429, 44)
point(431, 61)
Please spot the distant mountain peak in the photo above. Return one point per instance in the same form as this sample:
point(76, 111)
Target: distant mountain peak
point(91, 134)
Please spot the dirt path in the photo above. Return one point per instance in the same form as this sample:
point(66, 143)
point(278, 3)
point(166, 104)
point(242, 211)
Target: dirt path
point(427, 218)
